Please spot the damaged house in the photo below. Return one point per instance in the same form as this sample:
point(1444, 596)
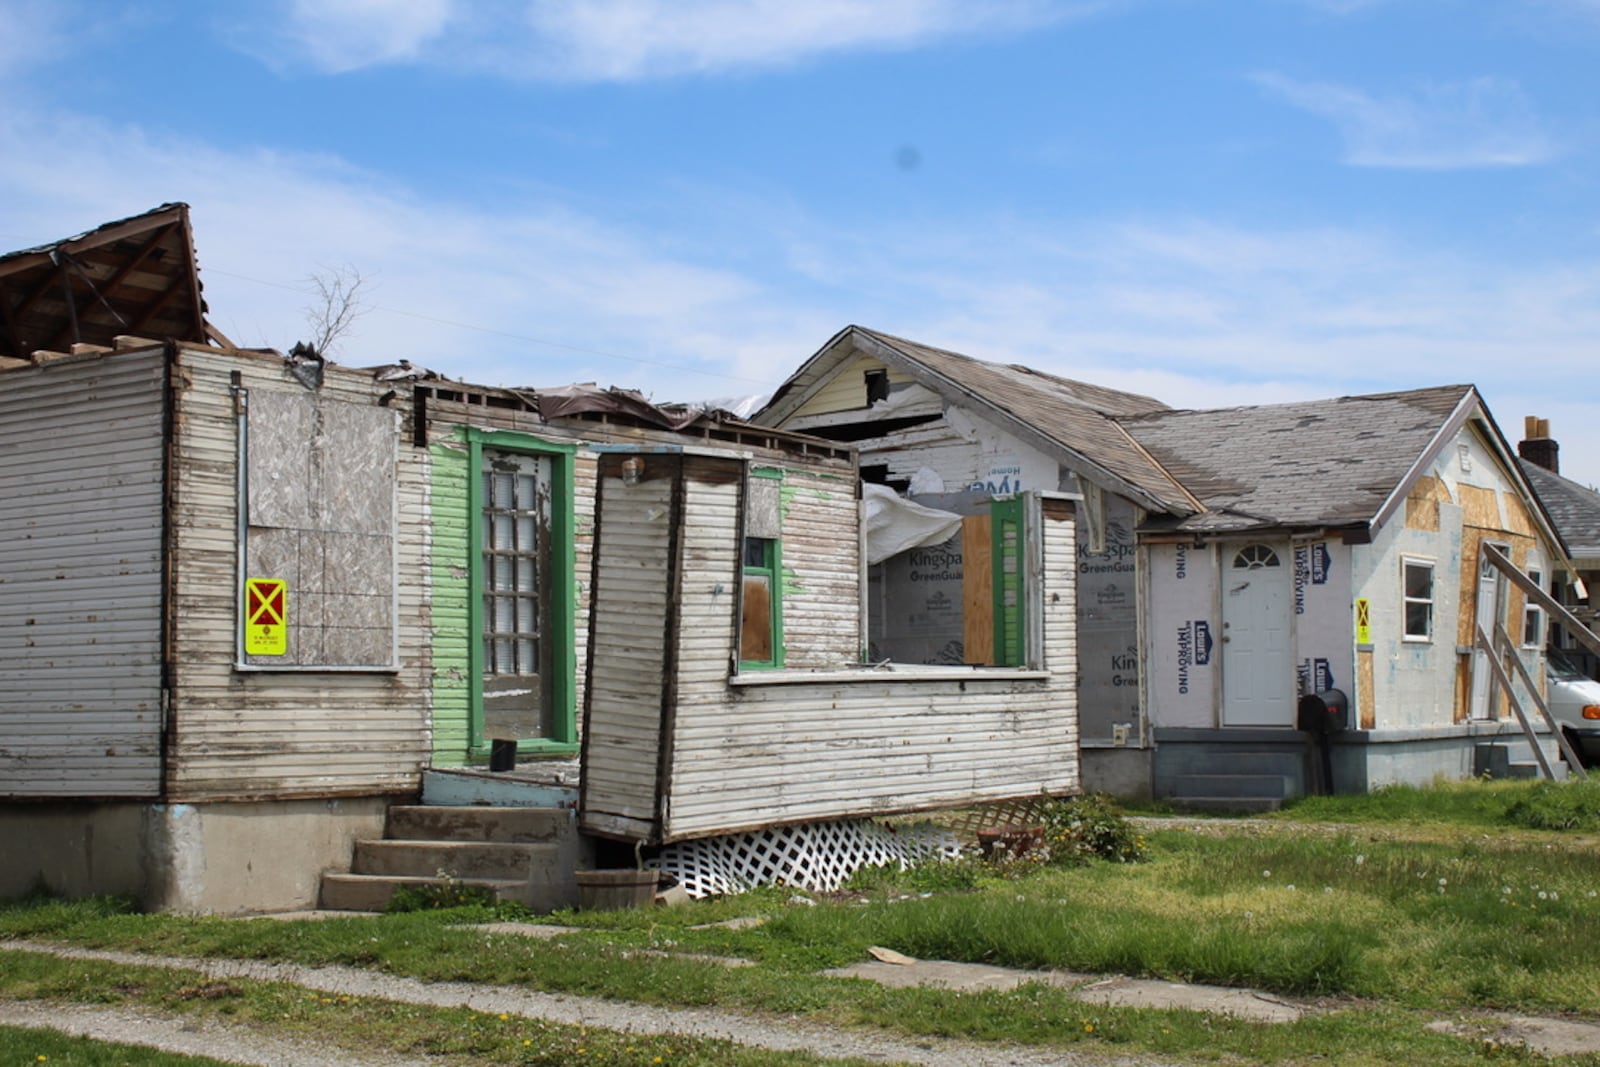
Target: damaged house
point(253, 606)
point(1229, 562)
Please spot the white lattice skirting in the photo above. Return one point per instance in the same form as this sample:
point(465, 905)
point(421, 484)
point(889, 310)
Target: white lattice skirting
point(816, 856)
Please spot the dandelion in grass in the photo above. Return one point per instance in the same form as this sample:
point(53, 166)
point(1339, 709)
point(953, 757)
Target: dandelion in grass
point(1290, 887)
point(1266, 874)
point(1360, 860)
point(1327, 889)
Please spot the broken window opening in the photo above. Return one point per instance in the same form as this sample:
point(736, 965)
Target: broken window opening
point(761, 572)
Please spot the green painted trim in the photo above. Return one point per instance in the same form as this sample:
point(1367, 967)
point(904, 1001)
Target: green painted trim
point(772, 567)
point(563, 595)
point(452, 598)
point(1009, 622)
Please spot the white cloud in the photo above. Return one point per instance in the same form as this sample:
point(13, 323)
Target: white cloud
point(342, 35)
point(1196, 312)
point(1484, 122)
point(625, 40)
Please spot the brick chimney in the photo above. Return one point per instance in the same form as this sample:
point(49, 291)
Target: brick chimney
point(1537, 445)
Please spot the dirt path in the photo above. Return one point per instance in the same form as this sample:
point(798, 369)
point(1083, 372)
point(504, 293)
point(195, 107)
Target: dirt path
point(245, 1046)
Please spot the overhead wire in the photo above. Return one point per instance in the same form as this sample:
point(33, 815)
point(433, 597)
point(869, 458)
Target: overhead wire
point(562, 345)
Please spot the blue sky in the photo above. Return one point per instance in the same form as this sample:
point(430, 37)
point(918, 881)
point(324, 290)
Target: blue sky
point(1216, 203)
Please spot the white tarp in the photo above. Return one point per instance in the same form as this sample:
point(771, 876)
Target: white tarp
point(895, 525)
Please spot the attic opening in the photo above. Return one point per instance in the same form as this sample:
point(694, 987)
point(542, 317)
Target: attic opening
point(861, 431)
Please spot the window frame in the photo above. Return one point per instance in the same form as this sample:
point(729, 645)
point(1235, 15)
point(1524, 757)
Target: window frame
point(1533, 612)
point(1407, 599)
point(561, 630)
point(771, 568)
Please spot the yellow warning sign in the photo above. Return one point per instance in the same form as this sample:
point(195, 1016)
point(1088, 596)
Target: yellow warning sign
point(266, 616)
point(1363, 623)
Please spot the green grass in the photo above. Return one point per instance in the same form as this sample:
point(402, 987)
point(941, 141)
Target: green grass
point(47, 1048)
point(1570, 805)
point(1392, 920)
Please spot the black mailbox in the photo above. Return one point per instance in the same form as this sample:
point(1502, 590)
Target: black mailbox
point(1326, 712)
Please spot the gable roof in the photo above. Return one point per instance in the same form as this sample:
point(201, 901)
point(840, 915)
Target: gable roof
point(133, 277)
point(1348, 461)
point(1060, 416)
point(1574, 509)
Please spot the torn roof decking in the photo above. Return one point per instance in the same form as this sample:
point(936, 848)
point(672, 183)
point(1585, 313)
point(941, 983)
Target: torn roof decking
point(132, 277)
point(1060, 416)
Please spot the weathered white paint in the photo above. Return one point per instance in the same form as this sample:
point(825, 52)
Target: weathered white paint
point(268, 733)
point(80, 577)
point(809, 742)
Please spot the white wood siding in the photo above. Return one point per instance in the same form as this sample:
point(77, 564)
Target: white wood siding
point(631, 589)
point(80, 577)
point(278, 734)
point(761, 754)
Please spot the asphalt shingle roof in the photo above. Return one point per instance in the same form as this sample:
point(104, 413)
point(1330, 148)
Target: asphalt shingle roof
point(1076, 415)
point(1314, 463)
point(1573, 508)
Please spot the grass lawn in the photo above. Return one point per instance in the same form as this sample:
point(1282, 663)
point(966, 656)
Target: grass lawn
point(1418, 904)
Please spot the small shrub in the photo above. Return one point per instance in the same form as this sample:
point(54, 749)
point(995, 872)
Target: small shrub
point(1092, 826)
point(447, 892)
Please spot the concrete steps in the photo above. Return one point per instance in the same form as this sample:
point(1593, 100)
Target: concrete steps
point(527, 855)
point(1228, 792)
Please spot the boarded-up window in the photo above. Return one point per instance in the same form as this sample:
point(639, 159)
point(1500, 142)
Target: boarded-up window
point(320, 486)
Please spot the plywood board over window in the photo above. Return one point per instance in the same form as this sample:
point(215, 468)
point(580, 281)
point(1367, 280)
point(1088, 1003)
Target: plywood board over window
point(320, 491)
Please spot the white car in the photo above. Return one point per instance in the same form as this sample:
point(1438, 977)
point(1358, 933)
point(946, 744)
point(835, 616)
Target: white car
point(1574, 700)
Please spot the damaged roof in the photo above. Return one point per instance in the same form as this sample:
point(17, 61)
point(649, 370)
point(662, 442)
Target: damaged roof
point(135, 277)
point(1317, 463)
point(1574, 509)
point(1059, 415)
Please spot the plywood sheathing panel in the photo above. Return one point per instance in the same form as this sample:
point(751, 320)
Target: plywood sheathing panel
point(1365, 690)
point(1422, 506)
point(1479, 507)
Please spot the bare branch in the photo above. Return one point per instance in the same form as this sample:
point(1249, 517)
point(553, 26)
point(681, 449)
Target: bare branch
point(338, 303)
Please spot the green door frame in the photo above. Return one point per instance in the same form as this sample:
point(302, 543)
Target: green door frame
point(563, 592)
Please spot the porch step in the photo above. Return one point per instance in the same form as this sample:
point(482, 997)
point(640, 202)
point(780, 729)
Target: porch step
point(455, 859)
point(430, 822)
point(523, 854)
point(371, 892)
point(1228, 792)
point(1240, 805)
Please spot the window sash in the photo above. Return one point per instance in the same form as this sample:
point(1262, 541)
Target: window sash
point(1417, 600)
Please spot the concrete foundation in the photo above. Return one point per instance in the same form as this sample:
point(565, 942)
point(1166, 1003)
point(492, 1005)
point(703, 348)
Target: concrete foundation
point(217, 858)
point(1363, 760)
point(1120, 772)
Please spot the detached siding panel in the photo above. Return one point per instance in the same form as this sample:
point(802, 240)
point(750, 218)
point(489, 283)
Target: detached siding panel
point(759, 755)
point(631, 587)
point(80, 578)
point(290, 733)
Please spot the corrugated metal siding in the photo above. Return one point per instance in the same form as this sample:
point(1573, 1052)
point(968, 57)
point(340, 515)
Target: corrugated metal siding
point(80, 578)
point(631, 589)
point(272, 734)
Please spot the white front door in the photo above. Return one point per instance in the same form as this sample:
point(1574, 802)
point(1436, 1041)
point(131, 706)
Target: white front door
point(1258, 679)
point(1487, 613)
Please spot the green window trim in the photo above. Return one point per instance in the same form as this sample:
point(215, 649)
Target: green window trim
point(1010, 593)
point(768, 568)
point(563, 594)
